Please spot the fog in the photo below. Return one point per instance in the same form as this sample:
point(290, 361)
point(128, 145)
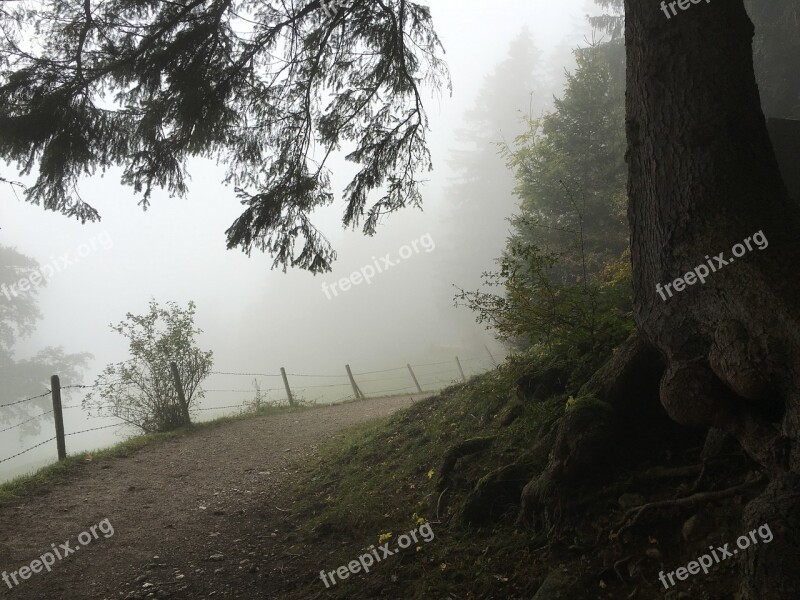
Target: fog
point(257, 320)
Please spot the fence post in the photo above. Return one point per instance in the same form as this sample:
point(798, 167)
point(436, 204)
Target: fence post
point(490, 355)
point(286, 385)
point(55, 389)
point(176, 377)
point(458, 362)
point(356, 390)
point(414, 377)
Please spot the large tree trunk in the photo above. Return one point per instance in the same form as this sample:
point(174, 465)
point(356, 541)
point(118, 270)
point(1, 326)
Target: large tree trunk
point(702, 178)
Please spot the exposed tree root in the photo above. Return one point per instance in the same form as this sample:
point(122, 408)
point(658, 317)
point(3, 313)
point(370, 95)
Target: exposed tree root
point(594, 435)
point(460, 450)
point(632, 517)
point(499, 488)
point(650, 476)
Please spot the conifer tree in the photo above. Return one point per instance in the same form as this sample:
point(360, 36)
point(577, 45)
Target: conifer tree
point(268, 88)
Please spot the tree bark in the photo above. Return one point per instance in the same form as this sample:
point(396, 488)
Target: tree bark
point(702, 178)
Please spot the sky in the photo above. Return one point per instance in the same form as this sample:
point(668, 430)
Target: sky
point(257, 320)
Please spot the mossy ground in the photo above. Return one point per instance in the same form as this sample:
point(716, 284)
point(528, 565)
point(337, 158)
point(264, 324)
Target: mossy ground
point(380, 477)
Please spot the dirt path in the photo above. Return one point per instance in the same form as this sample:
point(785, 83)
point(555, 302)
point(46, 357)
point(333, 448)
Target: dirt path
point(197, 517)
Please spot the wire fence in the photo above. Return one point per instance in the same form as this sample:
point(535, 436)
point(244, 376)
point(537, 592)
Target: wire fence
point(350, 382)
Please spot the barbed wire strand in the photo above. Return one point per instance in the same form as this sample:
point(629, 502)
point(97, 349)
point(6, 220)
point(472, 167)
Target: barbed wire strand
point(47, 393)
point(89, 408)
point(27, 421)
point(244, 391)
point(243, 374)
point(444, 362)
point(384, 378)
point(94, 385)
point(273, 374)
point(27, 450)
point(250, 404)
point(97, 428)
point(381, 371)
point(308, 387)
point(321, 376)
point(395, 390)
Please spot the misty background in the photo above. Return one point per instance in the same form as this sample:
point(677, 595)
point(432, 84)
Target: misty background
point(506, 60)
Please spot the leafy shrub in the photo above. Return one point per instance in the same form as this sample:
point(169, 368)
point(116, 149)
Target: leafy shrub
point(141, 390)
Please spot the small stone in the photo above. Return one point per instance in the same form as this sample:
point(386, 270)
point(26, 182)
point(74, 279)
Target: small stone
point(696, 528)
point(654, 553)
point(216, 557)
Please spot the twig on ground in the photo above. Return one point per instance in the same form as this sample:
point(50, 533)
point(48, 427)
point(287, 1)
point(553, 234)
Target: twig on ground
point(616, 567)
point(438, 505)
